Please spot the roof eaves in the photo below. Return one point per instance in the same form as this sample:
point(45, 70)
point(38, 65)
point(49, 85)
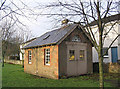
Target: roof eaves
point(39, 46)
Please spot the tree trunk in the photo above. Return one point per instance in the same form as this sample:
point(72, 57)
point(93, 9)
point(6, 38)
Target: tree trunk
point(101, 81)
point(22, 63)
point(101, 71)
point(3, 61)
point(3, 57)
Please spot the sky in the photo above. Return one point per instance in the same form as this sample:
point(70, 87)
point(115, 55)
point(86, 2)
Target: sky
point(37, 25)
point(41, 24)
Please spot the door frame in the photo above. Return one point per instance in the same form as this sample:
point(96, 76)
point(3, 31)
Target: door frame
point(77, 62)
point(112, 53)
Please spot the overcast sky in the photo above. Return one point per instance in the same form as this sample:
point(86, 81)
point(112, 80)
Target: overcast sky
point(42, 24)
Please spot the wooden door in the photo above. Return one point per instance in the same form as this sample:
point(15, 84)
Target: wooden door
point(76, 59)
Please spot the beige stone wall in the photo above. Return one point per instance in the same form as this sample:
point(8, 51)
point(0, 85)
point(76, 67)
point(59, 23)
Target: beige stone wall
point(114, 68)
point(37, 67)
point(19, 62)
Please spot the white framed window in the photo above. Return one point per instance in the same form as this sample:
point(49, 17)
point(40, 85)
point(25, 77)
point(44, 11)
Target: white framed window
point(47, 56)
point(105, 51)
point(29, 57)
point(76, 38)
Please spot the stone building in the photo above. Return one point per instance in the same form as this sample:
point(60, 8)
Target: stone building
point(66, 51)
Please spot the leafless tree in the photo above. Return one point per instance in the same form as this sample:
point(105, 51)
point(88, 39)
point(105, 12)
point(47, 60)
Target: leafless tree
point(7, 32)
point(11, 26)
point(83, 13)
point(12, 9)
point(12, 38)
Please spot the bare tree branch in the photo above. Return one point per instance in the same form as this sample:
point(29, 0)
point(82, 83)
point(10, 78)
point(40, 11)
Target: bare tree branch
point(87, 12)
point(2, 4)
point(111, 44)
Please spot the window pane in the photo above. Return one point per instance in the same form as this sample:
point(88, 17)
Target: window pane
point(81, 54)
point(29, 57)
point(47, 56)
point(72, 55)
point(104, 51)
point(76, 38)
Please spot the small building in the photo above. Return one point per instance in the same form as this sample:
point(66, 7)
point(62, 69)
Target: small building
point(14, 57)
point(66, 51)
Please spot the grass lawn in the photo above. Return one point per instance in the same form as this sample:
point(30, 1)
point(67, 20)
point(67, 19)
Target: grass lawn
point(14, 76)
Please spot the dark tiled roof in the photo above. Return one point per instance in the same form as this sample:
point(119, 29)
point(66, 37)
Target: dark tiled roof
point(51, 37)
point(107, 19)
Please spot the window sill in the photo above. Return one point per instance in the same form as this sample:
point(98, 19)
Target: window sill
point(47, 64)
point(106, 57)
point(30, 63)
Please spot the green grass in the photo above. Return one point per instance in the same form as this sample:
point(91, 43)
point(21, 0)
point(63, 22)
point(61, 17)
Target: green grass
point(14, 76)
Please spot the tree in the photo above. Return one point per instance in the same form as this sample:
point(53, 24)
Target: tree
point(12, 9)
point(6, 35)
point(11, 39)
point(83, 13)
point(11, 24)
